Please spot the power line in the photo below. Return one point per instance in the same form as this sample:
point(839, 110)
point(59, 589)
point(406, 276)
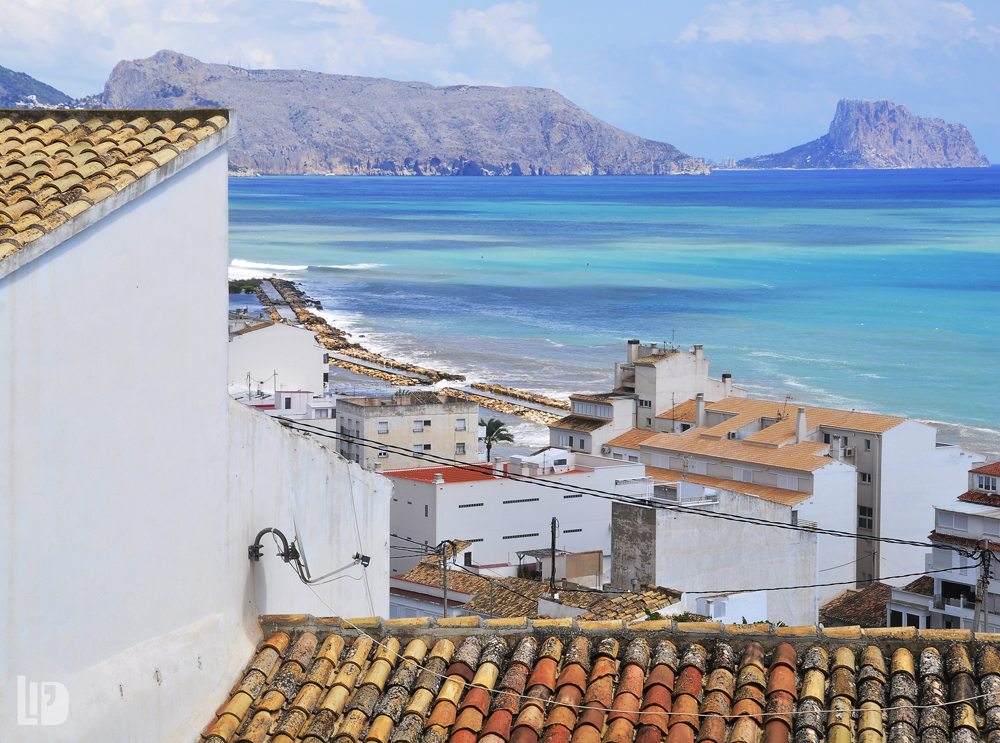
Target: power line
point(436, 459)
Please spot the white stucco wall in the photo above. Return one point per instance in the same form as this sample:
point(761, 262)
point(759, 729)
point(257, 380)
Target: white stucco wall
point(915, 476)
point(124, 573)
point(690, 552)
point(495, 519)
point(291, 352)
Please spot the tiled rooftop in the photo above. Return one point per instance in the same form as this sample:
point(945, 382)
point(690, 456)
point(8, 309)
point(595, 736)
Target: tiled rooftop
point(804, 457)
point(579, 423)
point(984, 499)
point(55, 165)
point(747, 410)
point(867, 607)
point(472, 473)
point(466, 680)
point(631, 439)
point(988, 469)
point(765, 492)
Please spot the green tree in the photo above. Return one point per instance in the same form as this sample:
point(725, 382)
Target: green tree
point(496, 431)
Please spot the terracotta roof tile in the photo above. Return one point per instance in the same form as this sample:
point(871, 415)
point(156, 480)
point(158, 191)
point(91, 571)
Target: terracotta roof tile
point(988, 469)
point(631, 439)
point(864, 608)
point(804, 457)
point(472, 473)
point(579, 423)
point(765, 492)
point(55, 168)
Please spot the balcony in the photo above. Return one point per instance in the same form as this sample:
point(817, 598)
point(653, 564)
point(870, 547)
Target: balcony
point(961, 603)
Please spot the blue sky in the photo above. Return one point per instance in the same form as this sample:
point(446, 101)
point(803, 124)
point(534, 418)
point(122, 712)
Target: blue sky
point(732, 78)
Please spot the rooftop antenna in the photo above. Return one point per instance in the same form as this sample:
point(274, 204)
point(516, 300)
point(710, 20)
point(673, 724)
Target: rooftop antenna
point(672, 334)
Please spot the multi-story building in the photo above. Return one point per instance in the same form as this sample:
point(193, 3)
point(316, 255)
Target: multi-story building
point(506, 518)
point(970, 523)
point(270, 357)
point(421, 423)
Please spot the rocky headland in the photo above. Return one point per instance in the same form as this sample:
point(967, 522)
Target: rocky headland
point(298, 122)
point(864, 134)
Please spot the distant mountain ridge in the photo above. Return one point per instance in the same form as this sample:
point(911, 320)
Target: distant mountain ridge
point(292, 121)
point(864, 134)
point(15, 87)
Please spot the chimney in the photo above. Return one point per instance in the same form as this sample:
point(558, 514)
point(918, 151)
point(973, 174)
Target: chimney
point(498, 467)
point(699, 406)
point(699, 351)
point(835, 447)
point(800, 426)
point(727, 384)
point(438, 478)
point(633, 350)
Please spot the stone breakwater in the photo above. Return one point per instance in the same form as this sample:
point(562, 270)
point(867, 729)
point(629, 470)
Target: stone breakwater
point(335, 339)
point(497, 389)
point(499, 406)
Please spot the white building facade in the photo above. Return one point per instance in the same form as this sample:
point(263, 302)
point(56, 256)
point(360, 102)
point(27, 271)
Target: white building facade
point(125, 575)
point(502, 516)
point(269, 357)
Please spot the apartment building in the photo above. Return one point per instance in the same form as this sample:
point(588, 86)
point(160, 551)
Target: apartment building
point(593, 421)
point(662, 540)
point(855, 472)
point(970, 522)
point(422, 423)
point(505, 519)
point(270, 357)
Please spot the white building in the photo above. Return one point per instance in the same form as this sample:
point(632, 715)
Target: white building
point(970, 523)
point(294, 404)
point(270, 357)
point(502, 516)
point(694, 553)
point(126, 517)
point(419, 423)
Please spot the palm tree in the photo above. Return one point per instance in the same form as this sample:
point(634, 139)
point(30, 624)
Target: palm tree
point(496, 431)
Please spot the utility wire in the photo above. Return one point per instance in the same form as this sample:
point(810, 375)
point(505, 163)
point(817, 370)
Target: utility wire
point(368, 443)
point(398, 655)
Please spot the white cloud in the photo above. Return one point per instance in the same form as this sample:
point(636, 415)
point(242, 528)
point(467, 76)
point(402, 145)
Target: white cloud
point(504, 28)
point(907, 23)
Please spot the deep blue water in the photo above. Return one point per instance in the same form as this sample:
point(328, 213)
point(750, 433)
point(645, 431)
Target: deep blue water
point(873, 290)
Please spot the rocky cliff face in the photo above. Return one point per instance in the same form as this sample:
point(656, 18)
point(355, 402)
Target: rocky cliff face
point(291, 121)
point(15, 87)
point(880, 135)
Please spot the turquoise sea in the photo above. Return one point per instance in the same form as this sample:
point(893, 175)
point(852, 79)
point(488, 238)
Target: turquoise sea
point(873, 290)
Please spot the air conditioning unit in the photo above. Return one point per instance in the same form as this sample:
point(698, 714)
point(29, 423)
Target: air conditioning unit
point(732, 435)
point(605, 450)
point(849, 451)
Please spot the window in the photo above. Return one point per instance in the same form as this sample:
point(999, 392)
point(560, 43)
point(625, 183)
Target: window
point(649, 421)
point(865, 478)
point(956, 521)
point(563, 440)
point(583, 443)
point(383, 426)
point(826, 438)
point(843, 441)
point(616, 455)
point(468, 559)
point(788, 482)
point(572, 496)
point(460, 426)
point(913, 620)
point(427, 447)
point(895, 618)
point(604, 411)
point(520, 500)
point(633, 458)
point(572, 531)
point(418, 426)
point(469, 505)
point(742, 475)
point(559, 463)
point(991, 527)
point(699, 468)
point(868, 444)
point(987, 483)
point(460, 448)
point(427, 424)
point(685, 427)
point(418, 448)
point(521, 536)
point(866, 517)
point(571, 441)
point(426, 511)
point(288, 403)
point(645, 403)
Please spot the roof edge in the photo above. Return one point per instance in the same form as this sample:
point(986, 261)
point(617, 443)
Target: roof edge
point(43, 244)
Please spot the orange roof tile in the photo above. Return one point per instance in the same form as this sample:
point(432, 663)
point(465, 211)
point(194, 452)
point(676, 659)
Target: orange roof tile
point(988, 469)
point(318, 680)
point(579, 423)
point(804, 457)
point(631, 439)
point(764, 492)
point(472, 473)
point(55, 165)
